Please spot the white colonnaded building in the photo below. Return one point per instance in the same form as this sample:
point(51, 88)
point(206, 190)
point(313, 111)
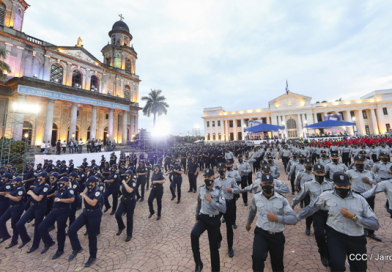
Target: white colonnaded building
point(372, 114)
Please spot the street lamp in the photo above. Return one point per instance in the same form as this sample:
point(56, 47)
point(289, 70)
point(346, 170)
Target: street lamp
point(73, 135)
point(26, 135)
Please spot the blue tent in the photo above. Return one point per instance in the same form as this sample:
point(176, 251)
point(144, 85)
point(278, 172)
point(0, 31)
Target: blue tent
point(263, 127)
point(330, 123)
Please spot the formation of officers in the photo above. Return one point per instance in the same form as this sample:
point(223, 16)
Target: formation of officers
point(336, 197)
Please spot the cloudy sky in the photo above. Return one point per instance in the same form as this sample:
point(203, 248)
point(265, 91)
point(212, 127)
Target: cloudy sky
point(235, 54)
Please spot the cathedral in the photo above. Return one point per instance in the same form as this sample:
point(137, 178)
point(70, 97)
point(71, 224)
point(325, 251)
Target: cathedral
point(71, 93)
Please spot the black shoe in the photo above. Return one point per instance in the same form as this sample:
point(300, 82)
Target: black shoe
point(74, 253)
point(51, 228)
point(173, 198)
point(3, 240)
point(105, 210)
point(199, 267)
point(158, 217)
point(324, 261)
point(119, 232)
point(46, 248)
point(86, 233)
point(151, 214)
point(57, 255)
point(234, 226)
point(90, 261)
point(307, 231)
point(178, 201)
point(190, 191)
point(231, 253)
point(246, 204)
point(113, 212)
point(11, 245)
point(23, 244)
point(141, 200)
point(375, 238)
point(32, 249)
point(129, 237)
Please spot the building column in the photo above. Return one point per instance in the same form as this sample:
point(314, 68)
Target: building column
point(18, 69)
point(49, 121)
point(18, 120)
point(46, 71)
point(360, 123)
point(74, 116)
point(374, 122)
point(235, 129)
point(389, 116)
point(226, 130)
point(274, 122)
point(93, 126)
point(68, 73)
point(299, 129)
point(124, 128)
point(285, 126)
point(381, 121)
point(110, 127)
point(8, 47)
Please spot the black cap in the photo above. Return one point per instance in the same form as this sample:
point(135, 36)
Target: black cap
point(295, 154)
point(383, 153)
point(266, 178)
point(240, 156)
point(362, 152)
point(209, 172)
point(318, 167)
point(221, 165)
point(323, 151)
point(341, 179)
point(265, 168)
point(308, 161)
point(357, 158)
point(333, 154)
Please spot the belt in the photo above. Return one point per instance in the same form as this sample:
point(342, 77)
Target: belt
point(127, 198)
point(56, 209)
point(91, 210)
point(14, 206)
point(210, 215)
point(38, 203)
point(271, 233)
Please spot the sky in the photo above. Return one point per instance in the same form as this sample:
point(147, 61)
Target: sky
point(230, 53)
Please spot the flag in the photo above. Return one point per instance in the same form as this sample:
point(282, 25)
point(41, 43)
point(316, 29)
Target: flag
point(287, 87)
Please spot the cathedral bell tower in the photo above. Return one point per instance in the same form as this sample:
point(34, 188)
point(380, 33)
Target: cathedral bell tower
point(119, 53)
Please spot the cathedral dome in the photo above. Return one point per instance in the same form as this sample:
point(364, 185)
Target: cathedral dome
point(120, 25)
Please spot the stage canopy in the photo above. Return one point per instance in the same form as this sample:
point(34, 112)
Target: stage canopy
point(330, 123)
point(262, 128)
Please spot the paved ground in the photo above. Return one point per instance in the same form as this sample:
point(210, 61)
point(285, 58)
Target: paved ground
point(165, 245)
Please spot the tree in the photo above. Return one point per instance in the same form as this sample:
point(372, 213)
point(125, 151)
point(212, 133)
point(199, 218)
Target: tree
point(3, 66)
point(155, 104)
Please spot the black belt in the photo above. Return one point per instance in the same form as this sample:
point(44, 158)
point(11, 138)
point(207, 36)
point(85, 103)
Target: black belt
point(270, 232)
point(57, 209)
point(127, 198)
point(14, 206)
point(38, 203)
point(157, 186)
point(91, 210)
point(210, 215)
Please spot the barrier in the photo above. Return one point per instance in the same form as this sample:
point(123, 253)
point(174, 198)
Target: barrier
point(77, 158)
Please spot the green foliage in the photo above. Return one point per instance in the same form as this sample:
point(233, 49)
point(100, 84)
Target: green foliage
point(155, 104)
point(4, 66)
point(16, 154)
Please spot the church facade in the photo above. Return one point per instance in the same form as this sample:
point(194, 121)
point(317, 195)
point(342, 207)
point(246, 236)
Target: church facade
point(371, 113)
point(76, 95)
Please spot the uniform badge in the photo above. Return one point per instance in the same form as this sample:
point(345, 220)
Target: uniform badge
point(97, 193)
point(134, 184)
point(20, 193)
point(45, 190)
point(61, 193)
point(7, 187)
point(74, 186)
point(341, 177)
point(115, 176)
point(71, 191)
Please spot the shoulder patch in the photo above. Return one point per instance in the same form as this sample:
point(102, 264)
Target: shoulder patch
point(8, 187)
point(97, 193)
point(20, 193)
point(71, 191)
point(45, 190)
point(134, 184)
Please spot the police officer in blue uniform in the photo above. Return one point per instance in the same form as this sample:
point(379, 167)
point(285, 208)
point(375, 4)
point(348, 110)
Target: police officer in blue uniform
point(127, 204)
point(14, 212)
point(157, 181)
point(112, 188)
point(63, 169)
point(176, 171)
point(77, 199)
point(91, 217)
point(141, 180)
point(36, 211)
point(60, 212)
point(5, 188)
point(71, 166)
point(53, 178)
point(29, 176)
point(192, 172)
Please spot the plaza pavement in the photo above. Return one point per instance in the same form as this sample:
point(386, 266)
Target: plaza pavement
point(165, 245)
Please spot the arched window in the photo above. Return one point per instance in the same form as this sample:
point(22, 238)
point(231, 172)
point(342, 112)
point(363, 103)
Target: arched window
point(109, 61)
point(128, 66)
point(76, 79)
point(94, 85)
point(56, 73)
point(127, 93)
point(2, 13)
point(213, 137)
point(291, 128)
point(18, 20)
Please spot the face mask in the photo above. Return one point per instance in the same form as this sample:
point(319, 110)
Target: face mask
point(268, 189)
point(319, 178)
point(309, 168)
point(90, 186)
point(335, 160)
point(61, 185)
point(228, 168)
point(39, 179)
point(222, 172)
point(343, 193)
point(14, 184)
point(208, 182)
point(384, 159)
point(323, 156)
point(294, 157)
point(240, 160)
point(360, 167)
point(126, 177)
point(156, 169)
point(270, 161)
point(301, 161)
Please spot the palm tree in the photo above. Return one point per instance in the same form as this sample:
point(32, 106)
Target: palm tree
point(155, 104)
point(3, 66)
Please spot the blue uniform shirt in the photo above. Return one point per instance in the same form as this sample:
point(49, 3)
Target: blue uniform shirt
point(5, 187)
point(95, 193)
point(65, 193)
point(41, 189)
point(18, 191)
point(124, 191)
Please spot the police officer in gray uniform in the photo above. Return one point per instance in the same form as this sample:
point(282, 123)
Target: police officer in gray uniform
point(313, 189)
point(348, 214)
point(229, 187)
point(210, 201)
point(324, 160)
point(244, 170)
point(231, 173)
point(273, 213)
point(285, 155)
point(334, 166)
point(279, 186)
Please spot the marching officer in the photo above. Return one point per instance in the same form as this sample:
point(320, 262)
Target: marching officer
point(112, 188)
point(36, 211)
point(60, 212)
point(210, 202)
point(177, 180)
point(244, 170)
point(314, 188)
point(334, 166)
point(127, 204)
point(348, 215)
point(142, 172)
point(77, 199)
point(229, 187)
point(14, 211)
point(273, 213)
point(157, 181)
point(29, 176)
point(192, 172)
point(5, 188)
point(91, 217)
